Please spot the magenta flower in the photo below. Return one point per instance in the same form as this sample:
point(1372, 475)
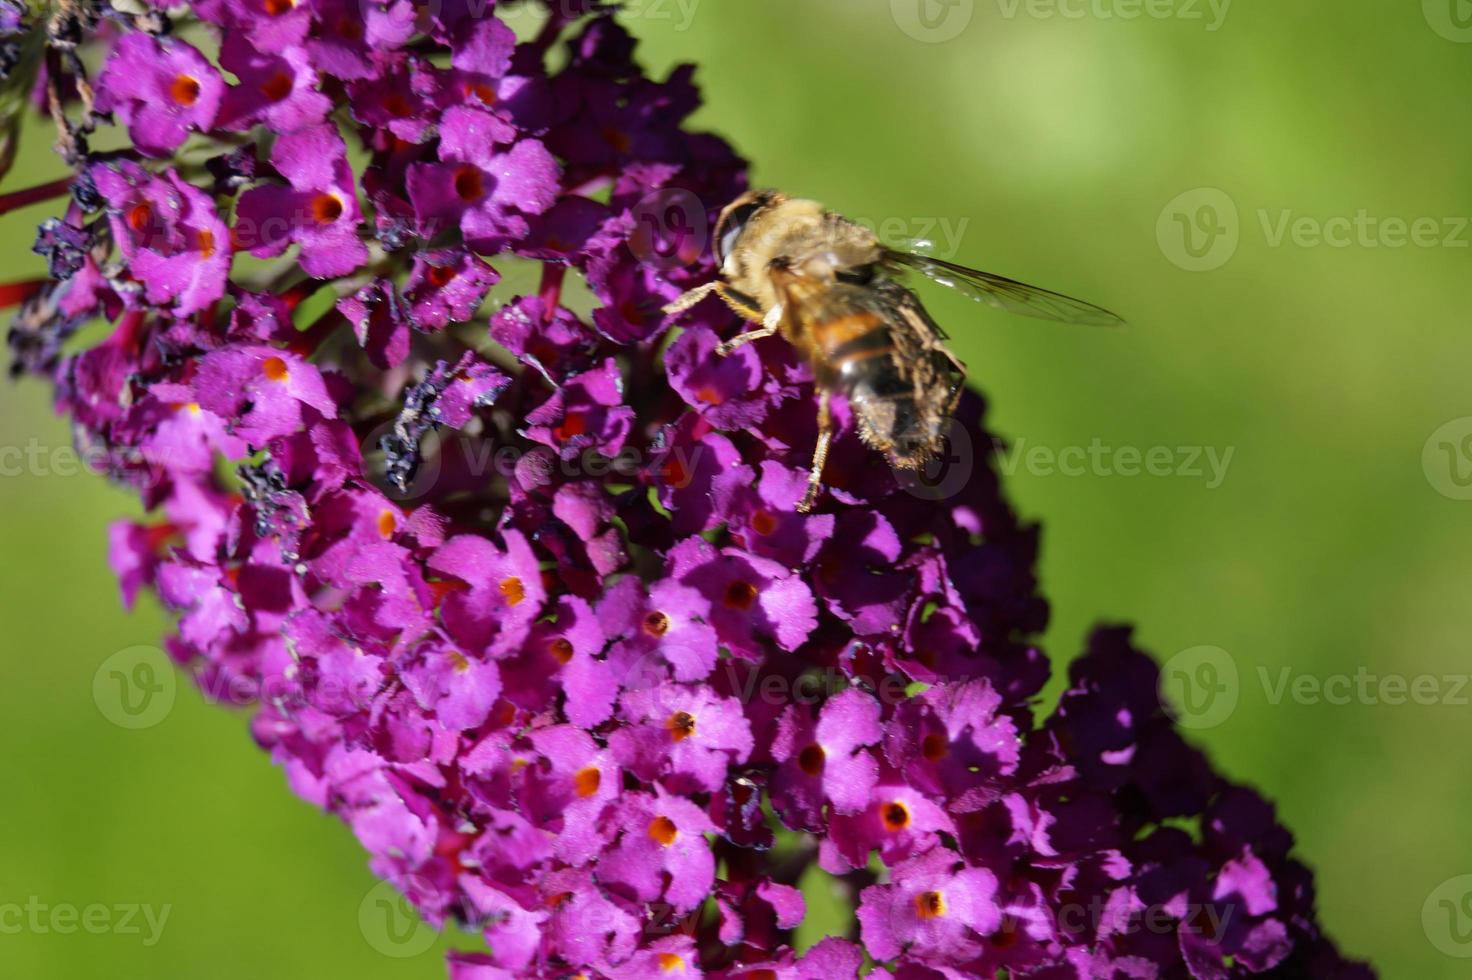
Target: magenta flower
point(484, 191)
point(319, 211)
point(168, 230)
point(161, 88)
point(521, 580)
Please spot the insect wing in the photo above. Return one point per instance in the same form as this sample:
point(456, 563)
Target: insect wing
point(1005, 294)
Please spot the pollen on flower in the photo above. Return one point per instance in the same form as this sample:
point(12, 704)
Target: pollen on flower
point(681, 725)
point(561, 649)
point(669, 962)
point(274, 368)
point(387, 524)
point(656, 624)
point(739, 595)
point(184, 90)
point(930, 905)
point(895, 815)
point(326, 208)
point(276, 8)
point(663, 830)
point(440, 276)
point(512, 589)
point(458, 662)
point(587, 780)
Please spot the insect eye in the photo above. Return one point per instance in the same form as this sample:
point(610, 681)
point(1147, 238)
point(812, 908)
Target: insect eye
point(731, 228)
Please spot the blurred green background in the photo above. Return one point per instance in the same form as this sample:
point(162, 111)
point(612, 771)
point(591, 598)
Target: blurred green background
point(1071, 151)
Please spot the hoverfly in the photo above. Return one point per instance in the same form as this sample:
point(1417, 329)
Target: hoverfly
point(830, 288)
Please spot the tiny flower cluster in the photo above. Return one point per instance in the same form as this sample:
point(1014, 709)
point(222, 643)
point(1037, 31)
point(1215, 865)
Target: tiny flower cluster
point(532, 693)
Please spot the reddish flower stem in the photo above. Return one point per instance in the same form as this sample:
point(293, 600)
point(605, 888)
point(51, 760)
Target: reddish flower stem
point(31, 195)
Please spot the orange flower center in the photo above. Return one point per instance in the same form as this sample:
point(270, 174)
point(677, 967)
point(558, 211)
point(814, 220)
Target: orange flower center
point(513, 590)
point(561, 649)
point(681, 725)
point(274, 368)
point(663, 829)
point(585, 781)
point(656, 624)
point(184, 90)
point(326, 208)
point(763, 523)
point(440, 275)
point(740, 595)
point(669, 962)
point(896, 816)
point(930, 905)
point(140, 216)
point(458, 661)
point(387, 524)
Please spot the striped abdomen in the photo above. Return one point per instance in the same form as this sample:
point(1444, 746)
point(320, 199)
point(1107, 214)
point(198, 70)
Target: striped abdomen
point(859, 356)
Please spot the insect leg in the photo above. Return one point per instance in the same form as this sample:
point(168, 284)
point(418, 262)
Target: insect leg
point(692, 297)
point(820, 454)
point(770, 324)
